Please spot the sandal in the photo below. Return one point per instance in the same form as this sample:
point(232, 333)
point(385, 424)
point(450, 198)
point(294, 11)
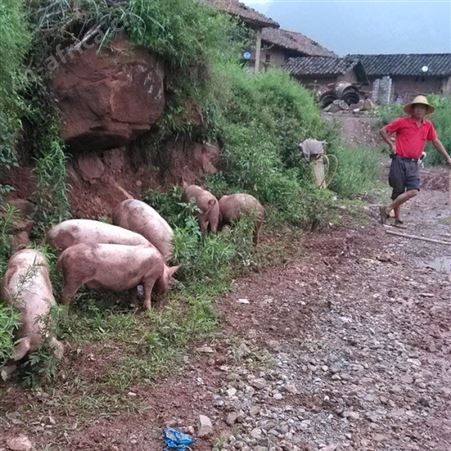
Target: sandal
point(400, 224)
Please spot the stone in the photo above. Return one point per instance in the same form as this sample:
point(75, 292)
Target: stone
point(243, 301)
point(20, 240)
point(231, 392)
point(205, 427)
point(291, 388)
point(19, 443)
point(24, 207)
point(407, 379)
point(205, 349)
point(231, 418)
point(256, 433)
point(90, 167)
point(351, 414)
point(254, 411)
point(242, 351)
point(379, 437)
point(331, 447)
point(110, 97)
point(258, 384)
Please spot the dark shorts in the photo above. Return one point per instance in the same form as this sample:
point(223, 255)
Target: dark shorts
point(404, 176)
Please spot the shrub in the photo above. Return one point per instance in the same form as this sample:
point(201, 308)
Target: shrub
point(52, 205)
point(9, 322)
point(15, 40)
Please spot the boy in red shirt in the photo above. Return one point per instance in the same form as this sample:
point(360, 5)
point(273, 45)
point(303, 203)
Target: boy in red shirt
point(411, 136)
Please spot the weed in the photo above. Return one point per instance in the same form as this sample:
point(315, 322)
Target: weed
point(15, 40)
point(9, 322)
point(356, 170)
point(52, 205)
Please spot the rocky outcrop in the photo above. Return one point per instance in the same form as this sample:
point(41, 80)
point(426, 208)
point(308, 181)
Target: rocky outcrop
point(188, 160)
point(108, 98)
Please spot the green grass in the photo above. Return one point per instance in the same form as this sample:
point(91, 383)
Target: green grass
point(355, 171)
point(15, 40)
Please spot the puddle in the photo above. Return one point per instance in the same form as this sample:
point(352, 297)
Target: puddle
point(441, 264)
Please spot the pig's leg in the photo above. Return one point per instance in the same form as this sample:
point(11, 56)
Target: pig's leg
point(148, 287)
point(258, 225)
point(203, 222)
point(214, 219)
point(69, 290)
point(21, 348)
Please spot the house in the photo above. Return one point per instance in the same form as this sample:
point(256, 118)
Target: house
point(279, 45)
point(406, 75)
point(252, 18)
point(323, 72)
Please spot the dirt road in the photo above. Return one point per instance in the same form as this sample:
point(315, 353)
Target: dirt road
point(345, 347)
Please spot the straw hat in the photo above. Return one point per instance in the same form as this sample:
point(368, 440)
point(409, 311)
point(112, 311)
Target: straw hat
point(418, 100)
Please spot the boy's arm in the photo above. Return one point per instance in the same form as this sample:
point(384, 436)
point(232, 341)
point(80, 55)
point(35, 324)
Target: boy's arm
point(386, 137)
point(441, 150)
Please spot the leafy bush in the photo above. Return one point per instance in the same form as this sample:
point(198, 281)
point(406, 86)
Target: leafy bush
point(9, 322)
point(441, 119)
point(14, 43)
point(52, 205)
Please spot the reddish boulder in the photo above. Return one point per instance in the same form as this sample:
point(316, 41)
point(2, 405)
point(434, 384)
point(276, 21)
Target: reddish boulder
point(90, 167)
point(187, 160)
point(108, 99)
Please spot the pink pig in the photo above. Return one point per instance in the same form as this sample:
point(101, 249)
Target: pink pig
point(208, 205)
point(115, 267)
point(139, 217)
point(235, 206)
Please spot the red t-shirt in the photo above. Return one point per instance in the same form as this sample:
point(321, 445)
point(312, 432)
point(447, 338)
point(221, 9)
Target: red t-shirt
point(410, 137)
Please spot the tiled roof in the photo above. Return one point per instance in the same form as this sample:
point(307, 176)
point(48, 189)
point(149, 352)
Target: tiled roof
point(320, 65)
point(291, 40)
point(438, 64)
point(242, 11)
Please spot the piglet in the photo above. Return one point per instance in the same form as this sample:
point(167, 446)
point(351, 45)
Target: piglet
point(234, 206)
point(208, 216)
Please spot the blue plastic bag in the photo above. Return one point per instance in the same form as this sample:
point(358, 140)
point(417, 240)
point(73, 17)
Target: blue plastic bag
point(177, 440)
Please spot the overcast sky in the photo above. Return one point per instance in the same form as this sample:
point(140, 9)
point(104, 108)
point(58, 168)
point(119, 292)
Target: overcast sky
point(365, 26)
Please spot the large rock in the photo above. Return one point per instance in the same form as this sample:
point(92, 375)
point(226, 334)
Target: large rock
point(187, 160)
point(19, 443)
point(108, 99)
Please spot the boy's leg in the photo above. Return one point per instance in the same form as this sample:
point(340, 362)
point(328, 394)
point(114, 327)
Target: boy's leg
point(397, 180)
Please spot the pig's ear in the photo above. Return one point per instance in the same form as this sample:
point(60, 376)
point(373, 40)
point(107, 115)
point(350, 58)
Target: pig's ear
point(172, 270)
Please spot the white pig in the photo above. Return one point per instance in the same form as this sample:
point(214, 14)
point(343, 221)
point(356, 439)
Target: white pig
point(132, 214)
point(115, 267)
point(74, 231)
point(208, 216)
point(26, 285)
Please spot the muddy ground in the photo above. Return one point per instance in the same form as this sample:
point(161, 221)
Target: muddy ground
point(345, 346)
